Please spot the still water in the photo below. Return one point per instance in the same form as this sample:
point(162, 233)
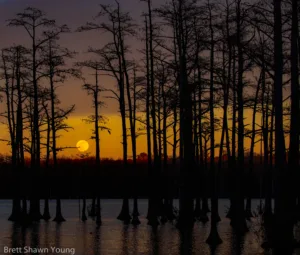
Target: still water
point(113, 238)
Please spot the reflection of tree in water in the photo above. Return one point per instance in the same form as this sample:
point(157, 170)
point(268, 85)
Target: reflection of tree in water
point(125, 240)
point(15, 236)
point(135, 240)
point(35, 236)
point(237, 244)
point(57, 235)
point(97, 241)
point(186, 242)
point(154, 241)
point(46, 234)
point(212, 250)
point(23, 236)
point(84, 236)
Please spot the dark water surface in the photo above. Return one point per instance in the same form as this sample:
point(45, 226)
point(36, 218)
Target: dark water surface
point(113, 238)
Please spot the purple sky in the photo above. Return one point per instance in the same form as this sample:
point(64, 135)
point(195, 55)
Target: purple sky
point(73, 13)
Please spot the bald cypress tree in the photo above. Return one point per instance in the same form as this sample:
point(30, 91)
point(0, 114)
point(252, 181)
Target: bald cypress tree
point(284, 236)
point(112, 56)
point(214, 238)
point(96, 119)
point(295, 103)
point(33, 21)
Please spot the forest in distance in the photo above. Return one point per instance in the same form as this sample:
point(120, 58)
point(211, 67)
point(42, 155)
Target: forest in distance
point(208, 70)
point(73, 175)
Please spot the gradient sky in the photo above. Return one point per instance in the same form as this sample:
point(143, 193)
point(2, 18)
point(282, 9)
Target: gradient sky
point(75, 13)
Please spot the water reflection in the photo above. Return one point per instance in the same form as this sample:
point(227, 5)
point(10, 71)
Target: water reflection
point(115, 238)
point(97, 241)
point(154, 241)
point(83, 247)
point(35, 238)
point(237, 244)
point(15, 236)
point(135, 240)
point(213, 250)
point(23, 236)
point(124, 241)
point(57, 235)
point(45, 235)
point(186, 242)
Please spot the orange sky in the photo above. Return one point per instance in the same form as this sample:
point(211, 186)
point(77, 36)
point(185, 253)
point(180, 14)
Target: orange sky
point(110, 145)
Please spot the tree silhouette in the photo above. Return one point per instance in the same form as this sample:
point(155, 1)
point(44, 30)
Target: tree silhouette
point(213, 238)
point(96, 119)
point(283, 196)
point(32, 19)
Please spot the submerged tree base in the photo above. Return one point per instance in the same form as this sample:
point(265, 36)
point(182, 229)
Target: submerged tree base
point(268, 217)
point(135, 220)
point(83, 217)
point(153, 221)
point(229, 213)
point(248, 214)
point(124, 214)
point(46, 216)
point(239, 225)
point(203, 217)
point(205, 207)
point(164, 219)
point(35, 216)
point(15, 217)
point(183, 224)
point(98, 221)
point(59, 218)
point(25, 220)
point(214, 239)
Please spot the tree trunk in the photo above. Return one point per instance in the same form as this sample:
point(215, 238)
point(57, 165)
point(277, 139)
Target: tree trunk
point(186, 201)
point(98, 212)
point(154, 200)
point(213, 238)
point(95, 211)
point(251, 156)
point(148, 100)
point(34, 211)
point(83, 212)
point(232, 159)
point(295, 106)
point(58, 216)
point(284, 223)
point(135, 213)
point(46, 214)
point(238, 221)
point(124, 214)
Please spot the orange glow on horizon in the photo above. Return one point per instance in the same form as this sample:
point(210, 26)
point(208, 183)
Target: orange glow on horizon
point(110, 144)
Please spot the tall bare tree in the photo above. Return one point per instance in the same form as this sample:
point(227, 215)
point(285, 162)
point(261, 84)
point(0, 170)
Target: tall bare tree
point(33, 20)
point(112, 55)
point(96, 119)
point(284, 235)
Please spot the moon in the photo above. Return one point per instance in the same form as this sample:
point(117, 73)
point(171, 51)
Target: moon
point(82, 145)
